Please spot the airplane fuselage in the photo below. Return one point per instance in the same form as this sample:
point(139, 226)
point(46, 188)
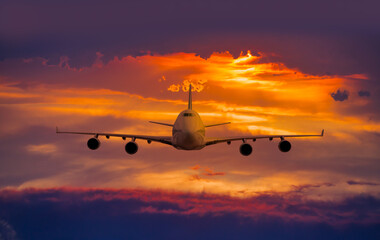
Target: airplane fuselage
point(188, 131)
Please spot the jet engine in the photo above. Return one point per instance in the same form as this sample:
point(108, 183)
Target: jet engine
point(93, 143)
point(245, 149)
point(284, 146)
point(131, 147)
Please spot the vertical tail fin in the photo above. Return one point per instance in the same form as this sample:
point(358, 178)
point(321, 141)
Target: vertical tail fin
point(190, 100)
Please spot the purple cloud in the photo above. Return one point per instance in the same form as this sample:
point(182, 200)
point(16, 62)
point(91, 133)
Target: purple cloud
point(132, 214)
point(352, 182)
point(340, 95)
point(363, 93)
point(304, 187)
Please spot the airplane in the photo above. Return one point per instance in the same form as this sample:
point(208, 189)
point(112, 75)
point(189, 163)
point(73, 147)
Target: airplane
point(188, 133)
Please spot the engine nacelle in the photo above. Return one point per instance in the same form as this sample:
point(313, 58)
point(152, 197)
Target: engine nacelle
point(284, 146)
point(245, 149)
point(131, 147)
point(93, 143)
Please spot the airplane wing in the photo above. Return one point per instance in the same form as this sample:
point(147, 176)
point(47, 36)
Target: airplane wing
point(211, 141)
point(161, 139)
point(218, 124)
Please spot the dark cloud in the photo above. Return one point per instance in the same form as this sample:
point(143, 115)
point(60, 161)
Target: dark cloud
point(363, 93)
point(340, 95)
point(52, 29)
point(304, 187)
point(352, 182)
point(6, 231)
point(136, 214)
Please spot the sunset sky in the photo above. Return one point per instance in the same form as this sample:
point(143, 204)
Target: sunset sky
point(270, 67)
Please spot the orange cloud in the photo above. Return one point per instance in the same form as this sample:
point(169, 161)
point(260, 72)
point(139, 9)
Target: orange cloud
point(209, 172)
point(196, 167)
point(197, 85)
point(256, 96)
point(122, 95)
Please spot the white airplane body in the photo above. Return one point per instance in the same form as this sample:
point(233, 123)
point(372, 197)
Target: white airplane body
point(188, 133)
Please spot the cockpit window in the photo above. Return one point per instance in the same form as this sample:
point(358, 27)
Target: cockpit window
point(187, 114)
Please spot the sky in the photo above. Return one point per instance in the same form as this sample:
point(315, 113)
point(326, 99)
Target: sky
point(269, 67)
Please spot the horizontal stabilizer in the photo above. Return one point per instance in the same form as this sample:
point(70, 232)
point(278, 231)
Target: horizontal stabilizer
point(218, 124)
point(165, 124)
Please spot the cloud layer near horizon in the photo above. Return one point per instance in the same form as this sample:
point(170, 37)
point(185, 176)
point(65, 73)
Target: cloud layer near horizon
point(266, 214)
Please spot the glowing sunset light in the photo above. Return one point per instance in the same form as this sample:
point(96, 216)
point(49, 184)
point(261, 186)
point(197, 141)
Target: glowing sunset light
point(244, 59)
point(258, 98)
point(98, 138)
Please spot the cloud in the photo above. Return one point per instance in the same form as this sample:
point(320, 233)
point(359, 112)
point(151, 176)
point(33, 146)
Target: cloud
point(258, 95)
point(6, 231)
point(174, 88)
point(66, 26)
point(72, 67)
point(363, 93)
point(196, 167)
point(275, 204)
point(205, 171)
point(209, 172)
point(340, 95)
point(197, 85)
point(352, 182)
point(304, 187)
point(42, 148)
point(162, 213)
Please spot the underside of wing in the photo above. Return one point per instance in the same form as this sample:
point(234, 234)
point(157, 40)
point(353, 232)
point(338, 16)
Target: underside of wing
point(211, 141)
point(160, 123)
point(161, 139)
point(217, 124)
point(246, 149)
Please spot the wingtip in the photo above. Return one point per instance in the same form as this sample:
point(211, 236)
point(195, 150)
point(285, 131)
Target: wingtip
point(56, 129)
point(323, 132)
